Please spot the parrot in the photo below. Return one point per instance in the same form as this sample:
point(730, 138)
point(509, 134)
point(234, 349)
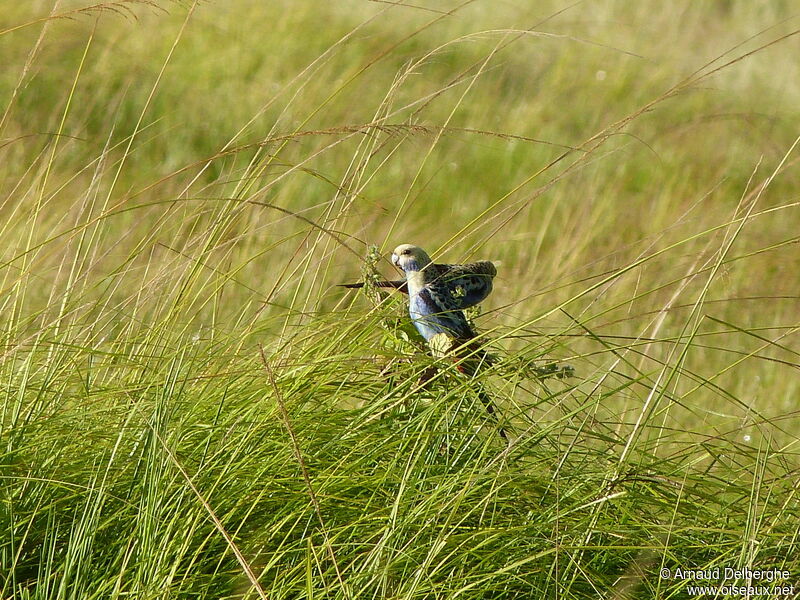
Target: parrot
point(438, 294)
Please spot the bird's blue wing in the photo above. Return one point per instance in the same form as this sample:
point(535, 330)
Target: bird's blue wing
point(457, 287)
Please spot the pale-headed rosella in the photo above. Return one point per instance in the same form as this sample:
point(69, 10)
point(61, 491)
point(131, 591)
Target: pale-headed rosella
point(437, 296)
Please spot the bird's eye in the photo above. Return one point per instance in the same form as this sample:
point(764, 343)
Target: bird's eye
point(406, 251)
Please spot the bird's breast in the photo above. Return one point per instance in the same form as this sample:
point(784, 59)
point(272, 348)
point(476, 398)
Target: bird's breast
point(416, 281)
point(420, 304)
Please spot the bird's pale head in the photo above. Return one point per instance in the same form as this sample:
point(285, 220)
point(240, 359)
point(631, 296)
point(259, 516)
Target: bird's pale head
point(410, 258)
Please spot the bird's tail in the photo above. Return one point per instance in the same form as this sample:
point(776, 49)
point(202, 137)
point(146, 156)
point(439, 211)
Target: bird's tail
point(471, 358)
point(400, 285)
point(489, 405)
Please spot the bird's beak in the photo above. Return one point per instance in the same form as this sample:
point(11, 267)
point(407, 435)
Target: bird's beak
point(395, 260)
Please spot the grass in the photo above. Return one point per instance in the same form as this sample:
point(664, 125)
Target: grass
point(193, 409)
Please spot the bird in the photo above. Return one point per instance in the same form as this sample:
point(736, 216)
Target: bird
point(438, 294)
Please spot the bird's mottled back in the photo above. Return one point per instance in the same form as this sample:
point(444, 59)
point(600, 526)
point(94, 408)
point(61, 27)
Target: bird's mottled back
point(461, 286)
point(482, 267)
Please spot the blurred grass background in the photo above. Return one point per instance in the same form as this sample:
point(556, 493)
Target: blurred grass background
point(182, 182)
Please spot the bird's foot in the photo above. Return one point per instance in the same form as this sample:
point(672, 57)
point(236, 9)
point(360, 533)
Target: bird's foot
point(426, 376)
